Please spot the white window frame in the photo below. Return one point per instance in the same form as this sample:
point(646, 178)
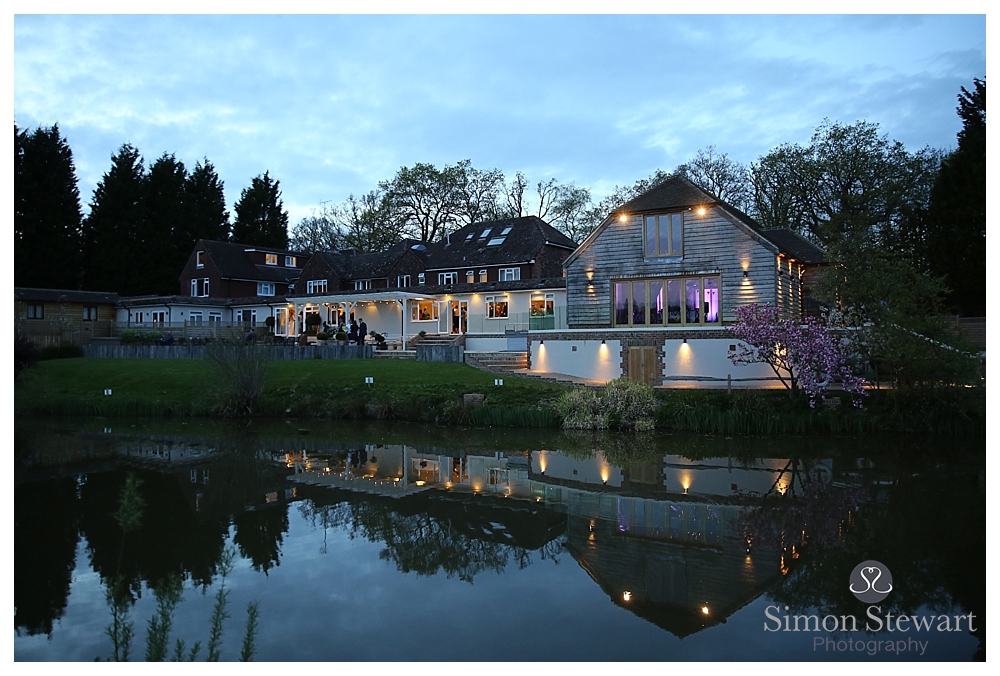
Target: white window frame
point(289, 261)
point(483, 276)
point(493, 312)
point(402, 281)
point(316, 286)
point(196, 317)
point(214, 317)
point(447, 278)
point(421, 279)
point(270, 259)
point(510, 274)
point(199, 259)
point(265, 288)
point(470, 276)
point(199, 287)
point(362, 284)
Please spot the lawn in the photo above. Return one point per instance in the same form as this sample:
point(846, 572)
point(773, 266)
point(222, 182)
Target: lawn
point(315, 388)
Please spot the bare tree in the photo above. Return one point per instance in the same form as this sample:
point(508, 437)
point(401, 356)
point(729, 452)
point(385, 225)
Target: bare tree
point(721, 176)
point(319, 231)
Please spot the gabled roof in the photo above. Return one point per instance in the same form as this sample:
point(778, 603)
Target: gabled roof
point(233, 262)
point(674, 193)
point(142, 301)
point(678, 192)
point(526, 237)
point(64, 295)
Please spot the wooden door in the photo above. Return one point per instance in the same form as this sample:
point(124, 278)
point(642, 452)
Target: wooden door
point(642, 364)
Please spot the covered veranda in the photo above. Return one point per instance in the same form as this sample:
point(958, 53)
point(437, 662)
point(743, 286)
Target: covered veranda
point(390, 312)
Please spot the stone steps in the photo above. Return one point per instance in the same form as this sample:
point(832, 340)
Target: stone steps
point(394, 354)
point(499, 362)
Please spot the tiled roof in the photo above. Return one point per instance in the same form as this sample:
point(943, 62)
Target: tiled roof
point(233, 262)
point(454, 289)
point(522, 243)
point(378, 265)
point(136, 301)
point(674, 193)
point(794, 245)
point(679, 192)
point(64, 295)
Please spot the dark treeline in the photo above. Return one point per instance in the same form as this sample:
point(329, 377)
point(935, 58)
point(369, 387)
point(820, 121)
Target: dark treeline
point(912, 219)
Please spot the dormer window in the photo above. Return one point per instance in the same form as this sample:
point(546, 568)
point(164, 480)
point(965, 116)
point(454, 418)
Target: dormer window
point(664, 235)
point(271, 259)
point(420, 279)
point(289, 261)
point(265, 288)
point(199, 259)
point(470, 276)
point(447, 278)
point(482, 275)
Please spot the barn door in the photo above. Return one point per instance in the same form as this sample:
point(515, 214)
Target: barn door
point(642, 364)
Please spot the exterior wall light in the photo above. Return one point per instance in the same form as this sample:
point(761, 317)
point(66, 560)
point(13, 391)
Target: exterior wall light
point(603, 341)
point(623, 218)
point(685, 341)
point(745, 274)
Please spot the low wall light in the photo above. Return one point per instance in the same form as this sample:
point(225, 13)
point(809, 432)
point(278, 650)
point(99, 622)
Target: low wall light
point(745, 274)
point(685, 341)
point(603, 341)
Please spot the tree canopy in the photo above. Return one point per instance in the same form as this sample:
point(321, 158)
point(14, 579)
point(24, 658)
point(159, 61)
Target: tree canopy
point(47, 216)
point(260, 216)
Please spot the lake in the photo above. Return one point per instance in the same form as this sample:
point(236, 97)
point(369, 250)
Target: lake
point(398, 542)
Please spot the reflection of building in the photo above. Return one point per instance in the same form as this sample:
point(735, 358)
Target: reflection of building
point(662, 539)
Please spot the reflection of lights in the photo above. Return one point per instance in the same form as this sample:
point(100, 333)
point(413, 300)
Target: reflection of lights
point(542, 461)
point(419, 483)
point(704, 610)
point(627, 596)
point(685, 480)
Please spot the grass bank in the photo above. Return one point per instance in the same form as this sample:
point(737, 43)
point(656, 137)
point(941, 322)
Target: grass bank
point(426, 392)
point(402, 390)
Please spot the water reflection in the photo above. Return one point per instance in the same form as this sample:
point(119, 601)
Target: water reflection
point(682, 532)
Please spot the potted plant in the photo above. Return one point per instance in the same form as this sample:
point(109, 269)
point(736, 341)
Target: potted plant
point(341, 337)
point(322, 337)
point(269, 323)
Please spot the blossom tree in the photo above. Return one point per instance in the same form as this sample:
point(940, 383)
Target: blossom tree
point(803, 354)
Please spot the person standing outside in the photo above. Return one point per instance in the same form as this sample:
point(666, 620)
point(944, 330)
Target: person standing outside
point(362, 331)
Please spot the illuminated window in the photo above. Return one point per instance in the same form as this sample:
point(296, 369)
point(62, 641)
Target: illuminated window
point(543, 305)
point(671, 301)
point(199, 259)
point(664, 235)
point(482, 275)
point(271, 259)
point(470, 276)
point(496, 307)
point(424, 311)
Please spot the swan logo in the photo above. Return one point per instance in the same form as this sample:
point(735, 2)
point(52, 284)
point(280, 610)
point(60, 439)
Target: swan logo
point(871, 581)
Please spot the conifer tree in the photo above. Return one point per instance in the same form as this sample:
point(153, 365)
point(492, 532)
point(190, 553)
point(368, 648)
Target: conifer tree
point(47, 217)
point(260, 219)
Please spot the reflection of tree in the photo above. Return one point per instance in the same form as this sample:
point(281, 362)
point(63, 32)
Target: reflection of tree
point(928, 528)
point(260, 534)
point(427, 536)
point(45, 537)
point(170, 539)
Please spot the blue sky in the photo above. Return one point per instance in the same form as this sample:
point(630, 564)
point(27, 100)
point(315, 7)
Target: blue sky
point(331, 105)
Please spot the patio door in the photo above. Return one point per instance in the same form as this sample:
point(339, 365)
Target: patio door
point(459, 316)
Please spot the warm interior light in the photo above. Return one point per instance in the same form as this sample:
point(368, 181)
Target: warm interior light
point(627, 596)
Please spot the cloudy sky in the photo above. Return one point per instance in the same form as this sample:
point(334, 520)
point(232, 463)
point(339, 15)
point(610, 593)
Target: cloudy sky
point(331, 105)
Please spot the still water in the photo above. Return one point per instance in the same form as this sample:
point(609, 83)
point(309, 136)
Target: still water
point(365, 542)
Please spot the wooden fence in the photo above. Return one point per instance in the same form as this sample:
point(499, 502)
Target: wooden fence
point(272, 352)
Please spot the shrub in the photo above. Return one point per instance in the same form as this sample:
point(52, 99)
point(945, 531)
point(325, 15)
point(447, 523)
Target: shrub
point(25, 354)
point(624, 403)
point(130, 336)
point(341, 335)
point(323, 335)
point(582, 409)
point(60, 352)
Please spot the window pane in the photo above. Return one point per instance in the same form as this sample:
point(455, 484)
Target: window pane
point(692, 308)
point(639, 302)
point(665, 234)
point(674, 302)
point(711, 307)
point(650, 235)
point(677, 233)
point(656, 302)
point(621, 303)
